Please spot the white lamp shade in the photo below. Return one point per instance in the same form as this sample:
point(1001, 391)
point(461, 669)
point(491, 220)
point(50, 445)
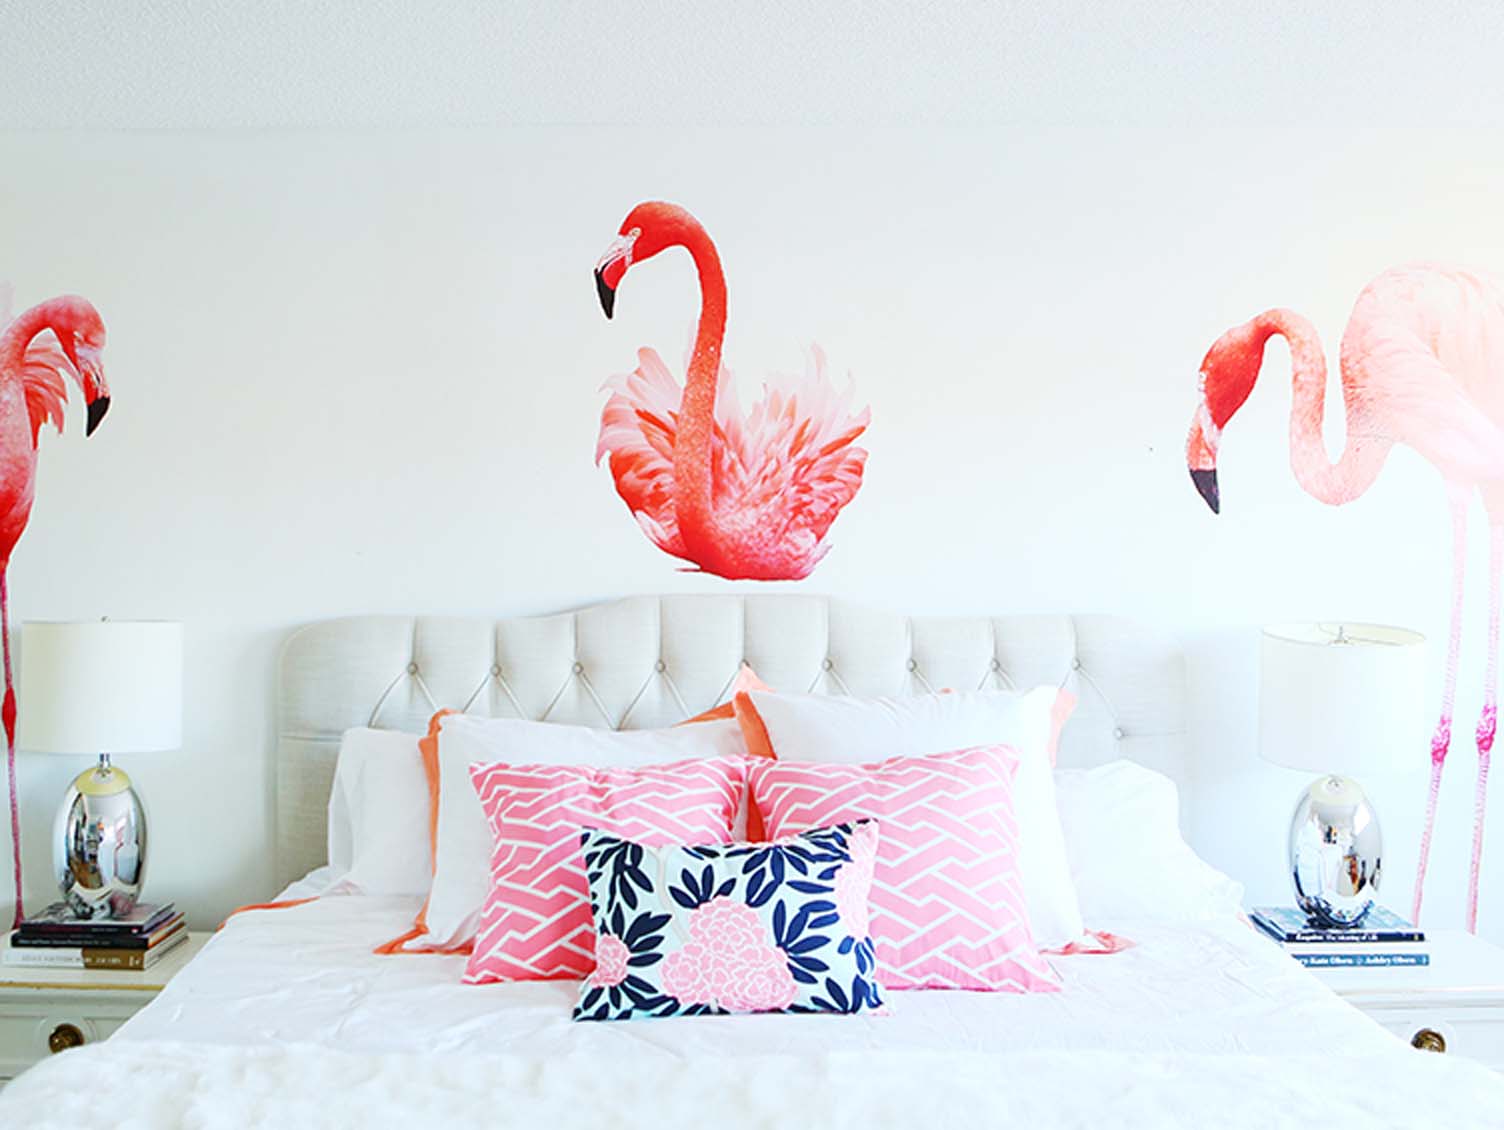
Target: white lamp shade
point(102, 687)
point(1342, 698)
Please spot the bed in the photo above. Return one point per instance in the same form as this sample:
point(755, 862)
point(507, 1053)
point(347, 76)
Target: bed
point(287, 1018)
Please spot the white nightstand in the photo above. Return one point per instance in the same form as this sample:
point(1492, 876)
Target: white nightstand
point(1455, 1004)
point(48, 1010)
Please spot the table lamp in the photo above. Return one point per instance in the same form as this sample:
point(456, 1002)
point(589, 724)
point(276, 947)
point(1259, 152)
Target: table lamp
point(1334, 699)
point(104, 688)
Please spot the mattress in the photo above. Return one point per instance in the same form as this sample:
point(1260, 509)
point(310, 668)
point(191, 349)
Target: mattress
point(286, 1019)
point(307, 974)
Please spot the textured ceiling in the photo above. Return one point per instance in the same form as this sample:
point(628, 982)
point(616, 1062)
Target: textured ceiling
point(236, 63)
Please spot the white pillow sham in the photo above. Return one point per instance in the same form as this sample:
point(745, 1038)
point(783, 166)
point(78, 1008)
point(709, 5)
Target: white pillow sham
point(462, 863)
point(833, 728)
point(378, 815)
point(1128, 858)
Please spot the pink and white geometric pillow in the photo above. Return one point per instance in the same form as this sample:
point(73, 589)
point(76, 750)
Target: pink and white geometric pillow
point(536, 922)
point(948, 910)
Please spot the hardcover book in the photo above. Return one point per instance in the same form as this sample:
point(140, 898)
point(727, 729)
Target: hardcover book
point(1362, 960)
point(90, 957)
point(100, 939)
point(57, 918)
point(1286, 924)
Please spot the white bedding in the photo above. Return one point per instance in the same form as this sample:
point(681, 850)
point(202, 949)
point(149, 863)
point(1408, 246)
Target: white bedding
point(307, 973)
point(135, 1085)
point(287, 1019)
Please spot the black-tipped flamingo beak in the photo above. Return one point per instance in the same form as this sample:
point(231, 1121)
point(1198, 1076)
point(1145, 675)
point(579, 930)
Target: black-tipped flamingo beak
point(605, 292)
point(611, 266)
point(97, 409)
point(1206, 486)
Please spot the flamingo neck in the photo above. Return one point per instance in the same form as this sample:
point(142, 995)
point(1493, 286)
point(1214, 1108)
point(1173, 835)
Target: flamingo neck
point(1362, 454)
point(22, 331)
point(696, 425)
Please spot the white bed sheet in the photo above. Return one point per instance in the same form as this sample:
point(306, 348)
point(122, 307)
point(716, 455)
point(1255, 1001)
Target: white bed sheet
point(287, 1019)
point(307, 975)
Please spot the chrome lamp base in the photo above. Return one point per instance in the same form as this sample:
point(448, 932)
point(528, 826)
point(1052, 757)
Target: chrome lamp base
point(99, 843)
point(1336, 852)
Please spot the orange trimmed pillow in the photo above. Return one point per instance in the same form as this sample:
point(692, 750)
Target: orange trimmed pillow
point(428, 747)
point(1060, 714)
point(754, 729)
point(457, 824)
point(746, 680)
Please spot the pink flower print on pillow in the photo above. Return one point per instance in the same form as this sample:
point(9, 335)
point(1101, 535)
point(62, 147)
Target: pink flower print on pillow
point(729, 962)
point(696, 929)
point(853, 882)
point(611, 955)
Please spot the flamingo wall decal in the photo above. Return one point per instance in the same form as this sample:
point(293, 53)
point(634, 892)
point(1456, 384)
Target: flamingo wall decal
point(63, 337)
point(742, 497)
point(1422, 364)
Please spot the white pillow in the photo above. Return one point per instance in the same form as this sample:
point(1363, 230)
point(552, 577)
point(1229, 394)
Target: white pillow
point(378, 815)
point(462, 869)
point(1128, 859)
point(840, 729)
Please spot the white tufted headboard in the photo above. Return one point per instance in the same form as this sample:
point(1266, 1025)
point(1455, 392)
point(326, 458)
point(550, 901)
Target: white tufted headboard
point(654, 660)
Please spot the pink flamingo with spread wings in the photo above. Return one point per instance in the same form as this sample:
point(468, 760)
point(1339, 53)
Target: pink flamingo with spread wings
point(743, 497)
point(1422, 364)
point(60, 338)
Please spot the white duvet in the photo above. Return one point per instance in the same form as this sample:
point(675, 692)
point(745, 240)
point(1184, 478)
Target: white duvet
point(154, 1085)
point(287, 1020)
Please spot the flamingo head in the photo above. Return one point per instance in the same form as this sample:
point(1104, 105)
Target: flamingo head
point(1228, 373)
point(648, 229)
point(80, 332)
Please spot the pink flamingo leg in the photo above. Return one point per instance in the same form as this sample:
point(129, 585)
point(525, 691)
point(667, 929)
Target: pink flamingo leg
point(9, 714)
point(1443, 737)
point(1489, 721)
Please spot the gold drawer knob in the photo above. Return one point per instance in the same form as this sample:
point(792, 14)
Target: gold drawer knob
point(63, 1037)
point(1429, 1040)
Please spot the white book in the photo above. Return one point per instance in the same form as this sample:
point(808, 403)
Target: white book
point(71, 957)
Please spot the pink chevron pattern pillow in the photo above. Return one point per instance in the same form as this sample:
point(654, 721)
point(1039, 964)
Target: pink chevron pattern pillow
point(948, 908)
point(536, 923)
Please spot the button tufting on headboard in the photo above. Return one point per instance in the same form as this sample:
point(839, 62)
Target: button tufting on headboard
point(652, 661)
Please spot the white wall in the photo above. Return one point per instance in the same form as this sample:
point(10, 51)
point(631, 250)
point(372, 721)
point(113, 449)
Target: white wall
point(359, 372)
point(182, 64)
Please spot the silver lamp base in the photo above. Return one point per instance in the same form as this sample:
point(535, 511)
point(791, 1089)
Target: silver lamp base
point(99, 843)
point(1336, 852)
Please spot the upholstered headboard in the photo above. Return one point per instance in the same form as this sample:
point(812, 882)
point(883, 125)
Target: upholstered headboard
point(655, 660)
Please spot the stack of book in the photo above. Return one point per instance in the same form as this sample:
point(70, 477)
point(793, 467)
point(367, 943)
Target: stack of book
point(1383, 938)
point(57, 938)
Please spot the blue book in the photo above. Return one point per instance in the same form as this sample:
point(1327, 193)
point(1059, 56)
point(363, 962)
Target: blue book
point(1360, 960)
point(1287, 925)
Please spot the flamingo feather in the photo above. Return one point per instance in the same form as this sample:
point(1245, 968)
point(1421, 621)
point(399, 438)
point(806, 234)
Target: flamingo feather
point(44, 367)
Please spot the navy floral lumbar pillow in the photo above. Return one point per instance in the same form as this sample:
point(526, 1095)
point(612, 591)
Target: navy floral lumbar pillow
point(765, 927)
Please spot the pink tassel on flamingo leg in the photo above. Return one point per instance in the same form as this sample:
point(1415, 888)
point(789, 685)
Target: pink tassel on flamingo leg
point(1442, 739)
point(1486, 726)
point(1488, 723)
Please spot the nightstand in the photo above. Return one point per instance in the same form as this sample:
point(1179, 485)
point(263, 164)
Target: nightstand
point(1455, 1004)
point(44, 1010)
